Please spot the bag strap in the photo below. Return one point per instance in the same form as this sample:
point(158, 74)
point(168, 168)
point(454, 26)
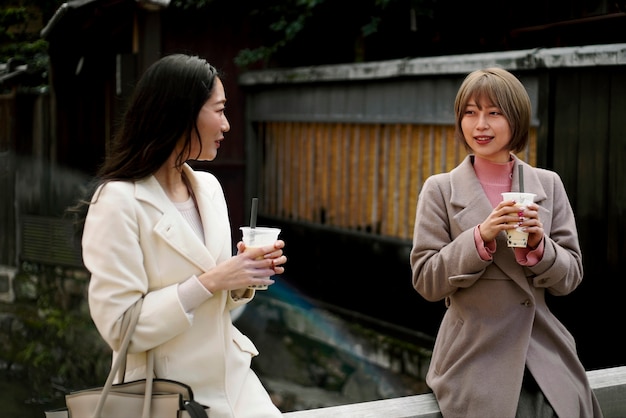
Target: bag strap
point(195, 409)
point(121, 372)
point(149, 377)
point(121, 358)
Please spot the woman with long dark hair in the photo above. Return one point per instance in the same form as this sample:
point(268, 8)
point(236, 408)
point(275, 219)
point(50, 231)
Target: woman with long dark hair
point(159, 230)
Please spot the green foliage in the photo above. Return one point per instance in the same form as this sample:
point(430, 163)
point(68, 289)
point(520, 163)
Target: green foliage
point(13, 22)
point(371, 27)
point(21, 22)
point(55, 350)
point(287, 19)
point(191, 4)
point(248, 56)
point(15, 39)
point(279, 25)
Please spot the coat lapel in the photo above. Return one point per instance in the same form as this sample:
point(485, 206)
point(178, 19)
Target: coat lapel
point(213, 214)
point(171, 226)
point(467, 196)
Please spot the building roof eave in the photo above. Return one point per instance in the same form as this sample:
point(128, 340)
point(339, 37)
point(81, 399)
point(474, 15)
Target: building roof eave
point(62, 14)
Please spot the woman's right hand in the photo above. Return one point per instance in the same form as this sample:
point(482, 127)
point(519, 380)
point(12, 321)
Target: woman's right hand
point(251, 266)
point(498, 220)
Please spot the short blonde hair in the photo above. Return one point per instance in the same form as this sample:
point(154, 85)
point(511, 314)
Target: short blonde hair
point(502, 89)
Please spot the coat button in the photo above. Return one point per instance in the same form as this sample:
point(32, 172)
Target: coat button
point(526, 303)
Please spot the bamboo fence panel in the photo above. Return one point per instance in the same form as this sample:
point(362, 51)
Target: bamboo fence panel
point(403, 215)
point(414, 173)
point(353, 178)
point(309, 194)
point(361, 177)
point(335, 176)
point(373, 185)
point(383, 174)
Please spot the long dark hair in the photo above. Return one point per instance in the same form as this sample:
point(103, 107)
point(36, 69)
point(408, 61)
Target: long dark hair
point(163, 108)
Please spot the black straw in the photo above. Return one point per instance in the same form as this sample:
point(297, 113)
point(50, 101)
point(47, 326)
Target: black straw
point(521, 179)
point(253, 211)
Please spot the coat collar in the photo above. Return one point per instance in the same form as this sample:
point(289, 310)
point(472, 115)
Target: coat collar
point(466, 188)
point(176, 231)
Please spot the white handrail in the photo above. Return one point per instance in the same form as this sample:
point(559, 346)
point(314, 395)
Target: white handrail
point(609, 385)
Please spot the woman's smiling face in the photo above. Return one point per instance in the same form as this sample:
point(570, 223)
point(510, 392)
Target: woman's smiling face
point(486, 130)
point(212, 123)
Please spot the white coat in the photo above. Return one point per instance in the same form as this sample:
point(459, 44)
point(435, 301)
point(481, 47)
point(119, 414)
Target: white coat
point(136, 243)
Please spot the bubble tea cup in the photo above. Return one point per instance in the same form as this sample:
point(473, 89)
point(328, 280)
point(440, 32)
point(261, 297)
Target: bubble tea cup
point(259, 236)
point(517, 237)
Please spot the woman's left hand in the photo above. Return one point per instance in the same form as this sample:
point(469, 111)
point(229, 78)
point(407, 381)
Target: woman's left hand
point(277, 256)
point(532, 225)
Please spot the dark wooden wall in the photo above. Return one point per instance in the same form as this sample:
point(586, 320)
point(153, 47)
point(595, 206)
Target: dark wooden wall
point(586, 144)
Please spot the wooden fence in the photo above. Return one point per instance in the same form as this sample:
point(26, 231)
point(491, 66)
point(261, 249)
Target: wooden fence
point(362, 177)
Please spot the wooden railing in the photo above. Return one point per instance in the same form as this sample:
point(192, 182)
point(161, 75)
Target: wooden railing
point(609, 385)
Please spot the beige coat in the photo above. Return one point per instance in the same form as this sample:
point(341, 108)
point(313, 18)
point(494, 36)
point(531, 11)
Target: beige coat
point(136, 243)
point(497, 318)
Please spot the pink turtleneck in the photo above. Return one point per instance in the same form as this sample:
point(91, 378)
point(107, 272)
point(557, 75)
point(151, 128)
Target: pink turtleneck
point(496, 178)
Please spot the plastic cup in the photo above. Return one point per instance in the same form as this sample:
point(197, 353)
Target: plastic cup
point(517, 237)
point(259, 236)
